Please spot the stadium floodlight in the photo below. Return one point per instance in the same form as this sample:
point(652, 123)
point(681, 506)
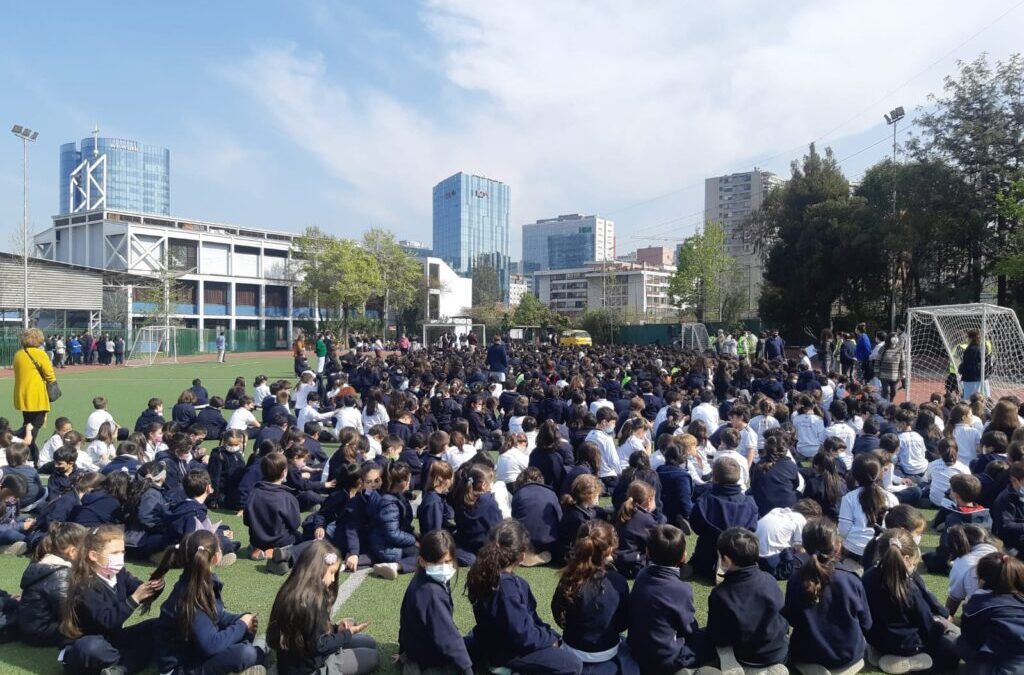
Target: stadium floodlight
point(27, 136)
point(895, 115)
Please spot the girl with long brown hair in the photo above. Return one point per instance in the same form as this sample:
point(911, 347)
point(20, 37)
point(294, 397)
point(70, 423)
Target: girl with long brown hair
point(992, 622)
point(862, 510)
point(300, 629)
point(633, 522)
point(102, 596)
point(195, 632)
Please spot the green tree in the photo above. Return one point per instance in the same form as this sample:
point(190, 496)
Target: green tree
point(400, 274)
point(531, 312)
point(486, 285)
point(1011, 207)
point(702, 273)
point(306, 265)
point(342, 274)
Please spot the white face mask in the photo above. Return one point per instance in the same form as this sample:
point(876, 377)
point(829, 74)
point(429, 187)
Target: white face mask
point(115, 563)
point(442, 573)
point(233, 448)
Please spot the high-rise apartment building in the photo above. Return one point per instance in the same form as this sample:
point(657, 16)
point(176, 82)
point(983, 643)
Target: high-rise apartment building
point(116, 174)
point(470, 221)
point(730, 200)
point(567, 242)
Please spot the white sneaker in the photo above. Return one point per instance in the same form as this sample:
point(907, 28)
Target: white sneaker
point(228, 559)
point(387, 571)
point(897, 665)
point(17, 548)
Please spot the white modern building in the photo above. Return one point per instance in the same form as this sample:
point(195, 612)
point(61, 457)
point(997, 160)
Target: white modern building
point(567, 242)
point(635, 289)
point(517, 288)
point(730, 200)
point(448, 294)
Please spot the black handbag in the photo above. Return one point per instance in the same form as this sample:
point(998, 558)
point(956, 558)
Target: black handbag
point(53, 391)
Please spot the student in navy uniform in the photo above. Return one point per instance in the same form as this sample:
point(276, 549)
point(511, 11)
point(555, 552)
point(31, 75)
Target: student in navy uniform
point(191, 514)
point(102, 596)
point(868, 440)
point(774, 479)
point(226, 468)
point(826, 605)
point(104, 506)
point(212, 418)
point(720, 508)
point(588, 461)
point(18, 463)
point(476, 511)
point(184, 411)
point(744, 608)
point(639, 468)
point(195, 633)
point(126, 460)
point(508, 631)
point(633, 523)
point(148, 510)
point(64, 471)
point(992, 641)
point(549, 456)
point(300, 478)
point(179, 462)
point(591, 603)
point(427, 635)
point(905, 634)
point(61, 509)
point(411, 455)
point(825, 484)
point(44, 585)
point(536, 506)
point(272, 513)
point(153, 414)
point(578, 507)
point(391, 537)
point(403, 426)
point(253, 472)
point(437, 445)
point(313, 431)
point(1008, 510)
point(676, 483)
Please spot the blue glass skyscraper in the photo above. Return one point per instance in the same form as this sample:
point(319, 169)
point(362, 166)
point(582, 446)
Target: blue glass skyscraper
point(117, 173)
point(471, 215)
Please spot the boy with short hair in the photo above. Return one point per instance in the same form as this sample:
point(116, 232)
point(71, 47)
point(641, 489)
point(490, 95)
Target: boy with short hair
point(97, 417)
point(153, 414)
point(964, 491)
point(212, 418)
point(1008, 511)
point(992, 447)
point(603, 436)
point(189, 515)
point(272, 513)
point(243, 418)
point(723, 506)
point(45, 461)
point(663, 633)
point(64, 471)
point(745, 618)
point(202, 396)
point(728, 446)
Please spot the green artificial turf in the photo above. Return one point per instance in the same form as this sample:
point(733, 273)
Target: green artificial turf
point(247, 586)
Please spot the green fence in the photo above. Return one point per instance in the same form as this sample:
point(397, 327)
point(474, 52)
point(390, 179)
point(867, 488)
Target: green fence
point(188, 341)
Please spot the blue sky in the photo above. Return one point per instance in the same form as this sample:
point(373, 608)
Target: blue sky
point(344, 115)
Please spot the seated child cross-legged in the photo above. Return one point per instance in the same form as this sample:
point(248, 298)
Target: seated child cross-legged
point(992, 641)
point(633, 524)
point(44, 585)
point(393, 546)
point(190, 515)
point(964, 489)
point(272, 513)
point(718, 509)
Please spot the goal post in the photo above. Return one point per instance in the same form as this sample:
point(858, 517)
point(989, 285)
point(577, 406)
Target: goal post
point(433, 332)
point(937, 338)
point(154, 344)
point(694, 336)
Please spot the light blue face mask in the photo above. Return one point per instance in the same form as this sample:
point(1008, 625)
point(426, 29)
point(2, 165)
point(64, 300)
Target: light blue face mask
point(442, 573)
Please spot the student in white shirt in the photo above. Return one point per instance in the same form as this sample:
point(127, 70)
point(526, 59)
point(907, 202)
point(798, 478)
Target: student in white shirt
point(261, 389)
point(98, 417)
point(307, 385)
point(939, 472)
point(780, 528)
point(459, 451)
point(764, 421)
point(727, 447)
point(60, 427)
point(707, 411)
point(311, 412)
point(514, 459)
point(911, 461)
point(348, 416)
point(603, 437)
point(841, 430)
point(242, 418)
point(672, 400)
point(967, 543)
point(600, 401)
point(863, 508)
point(632, 438)
point(809, 427)
point(101, 449)
point(739, 419)
point(374, 413)
point(966, 435)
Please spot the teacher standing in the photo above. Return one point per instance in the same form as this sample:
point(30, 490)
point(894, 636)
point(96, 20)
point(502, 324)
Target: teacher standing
point(32, 371)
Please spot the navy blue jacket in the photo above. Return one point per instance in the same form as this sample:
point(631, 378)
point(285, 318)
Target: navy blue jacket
point(176, 472)
point(58, 483)
point(507, 624)
point(865, 443)
point(226, 472)
point(99, 508)
point(427, 634)
point(536, 506)
point(59, 510)
point(831, 632)
point(202, 395)
point(35, 486)
point(572, 518)
point(253, 474)
point(445, 410)
point(127, 463)
point(744, 613)
point(184, 414)
point(402, 430)
point(632, 554)
point(600, 614)
point(497, 358)
point(435, 513)
point(272, 516)
point(676, 491)
point(328, 513)
point(895, 629)
point(551, 464)
point(552, 409)
point(472, 524)
point(390, 528)
point(425, 461)
point(993, 630)
point(663, 633)
point(1008, 518)
point(182, 517)
point(718, 509)
point(774, 348)
point(775, 487)
point(316, 452)
point(410, 457)
point(214, 421)
point(147, 418)
point(207, 636)
point(351, 529)
point(572, 474)
point(152, 516)
point(103, 610)
point(296, 482)
point(268, 432)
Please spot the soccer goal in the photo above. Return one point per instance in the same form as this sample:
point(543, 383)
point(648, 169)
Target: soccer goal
point(694, 336)
point(154, 344)
point(433, 334)
point(937, 338)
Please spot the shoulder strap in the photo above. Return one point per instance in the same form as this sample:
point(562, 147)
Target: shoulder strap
point(39, 368)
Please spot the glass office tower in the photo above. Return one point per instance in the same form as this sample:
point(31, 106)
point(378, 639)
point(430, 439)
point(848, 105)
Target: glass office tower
point(126, 175)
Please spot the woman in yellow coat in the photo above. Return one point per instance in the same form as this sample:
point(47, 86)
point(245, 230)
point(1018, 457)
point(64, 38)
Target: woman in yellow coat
point(30, 383)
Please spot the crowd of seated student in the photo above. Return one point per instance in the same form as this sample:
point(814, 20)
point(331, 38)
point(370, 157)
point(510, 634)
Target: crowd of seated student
point(819, 491)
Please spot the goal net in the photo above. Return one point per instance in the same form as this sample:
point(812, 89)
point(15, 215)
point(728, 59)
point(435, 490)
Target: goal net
point(694, 336)
point(453, 335)
point(154, 344)
point(937, 338)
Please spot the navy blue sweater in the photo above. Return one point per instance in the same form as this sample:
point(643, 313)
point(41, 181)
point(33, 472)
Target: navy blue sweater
point(208, 636)
point(147, 418)
point(600, 613)
point(182, 517)
point(571, 475)
point(272, 516)
point(551, 464)
point(744, 613)
point(151, 515)
point(103, 610)
point(59, 510)
point(663, 633)
point(184, 414)
point(1008, 518)
point(536, 506)
point(214, 421)
point(434, 513)
point(473, 523)
point(676, 491)
point(507, 624)
point(126, 463)
point(718, 509)
point(774, 487)
point(99, 508)
point(226, 472)
point(831, 632)
point(427, 634)
point(572, 518)
point(895, 629)
point(351, 533)
point(412, 459)
point(390, 528)
point(35, 485)
point(253, 474)
point(632, 554)
point(865, 443)
point(993, 630)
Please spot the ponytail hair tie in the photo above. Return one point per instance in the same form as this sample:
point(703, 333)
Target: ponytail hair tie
point(1004, 557)
point(177, 546)
point(895, 543)
point(200, 548)
point(330, 559)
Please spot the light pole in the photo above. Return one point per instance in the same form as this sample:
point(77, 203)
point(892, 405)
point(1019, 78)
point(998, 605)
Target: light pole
point(892, 118)
point(27, 136)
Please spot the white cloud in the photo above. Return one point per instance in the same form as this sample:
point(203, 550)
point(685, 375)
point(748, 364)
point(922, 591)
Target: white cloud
point(578, 105)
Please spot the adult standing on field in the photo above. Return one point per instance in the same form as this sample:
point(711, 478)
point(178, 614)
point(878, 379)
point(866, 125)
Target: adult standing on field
point(32, 372)
point(222, 346)
point(321, 353)
point(497, 359)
